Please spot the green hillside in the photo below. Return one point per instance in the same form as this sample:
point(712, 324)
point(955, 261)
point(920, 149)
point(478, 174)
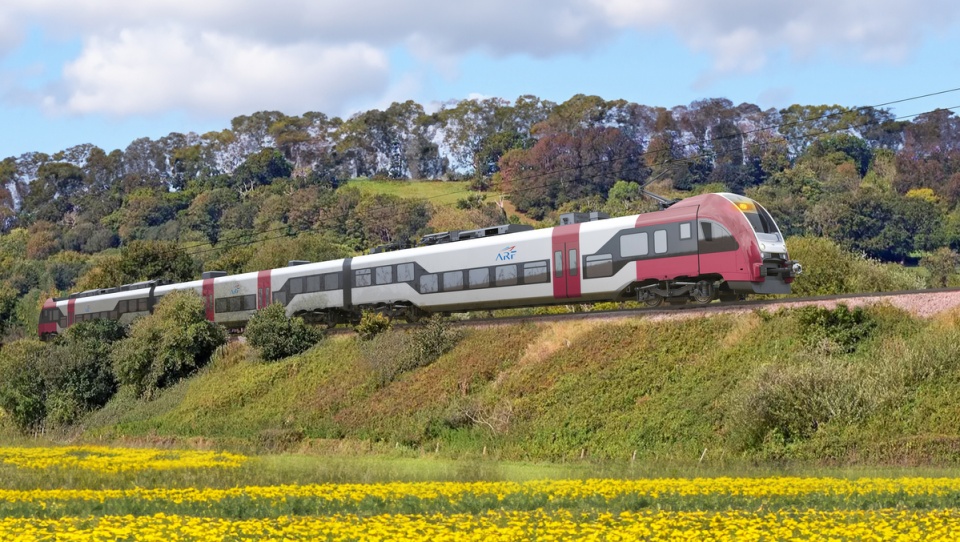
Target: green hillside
point(813, 385)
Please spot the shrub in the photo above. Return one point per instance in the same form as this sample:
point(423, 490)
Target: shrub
point(391, 354)
point(839, 328)
point(785, 405)
point(372, 324)
point(22, 390)
point(276, 337)
point(166, 346)
point(77, 374)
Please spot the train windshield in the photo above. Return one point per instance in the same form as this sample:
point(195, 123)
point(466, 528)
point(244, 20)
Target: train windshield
point(757, 216)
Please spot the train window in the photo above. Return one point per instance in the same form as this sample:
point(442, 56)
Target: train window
point(142, 304)
point(660, 241)
point(453, 280)
point(221, 305)
point(558, 263)
point(114, 315)
point(429, 284)
point(313, 283)
point(63, 322)
point(633, 245)
point(249, 302)
point(331, 281)
point(280, 297)
point(363, 277)
point(685, 231)
point(479, 278)
point(296, 286)
point(384, 275)
point(598, 265)
point(405, 272)
point(122, 306)
point(506, 275)
point(535, 272)
point(573, 262)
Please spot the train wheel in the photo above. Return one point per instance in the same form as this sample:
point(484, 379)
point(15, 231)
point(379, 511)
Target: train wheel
point(649, 299)
point(703, 292)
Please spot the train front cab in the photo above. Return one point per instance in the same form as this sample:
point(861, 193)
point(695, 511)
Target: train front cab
point(767, 268)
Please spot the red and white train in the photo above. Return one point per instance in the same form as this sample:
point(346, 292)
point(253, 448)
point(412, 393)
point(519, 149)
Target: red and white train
point(701, 248)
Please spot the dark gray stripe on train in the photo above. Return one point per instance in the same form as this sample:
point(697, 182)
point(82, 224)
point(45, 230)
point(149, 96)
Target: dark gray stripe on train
point(151, 300)
point(347, 285)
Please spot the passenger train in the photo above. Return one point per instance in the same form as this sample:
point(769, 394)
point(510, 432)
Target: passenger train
point(706, 247)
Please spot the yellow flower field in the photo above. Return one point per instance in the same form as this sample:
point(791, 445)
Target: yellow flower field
point(174, 506)
point(111, 460)
point(505, 526)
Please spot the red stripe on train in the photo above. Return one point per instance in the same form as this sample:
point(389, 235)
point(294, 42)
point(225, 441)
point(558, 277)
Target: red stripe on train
point(264, 289)
point(207, 294)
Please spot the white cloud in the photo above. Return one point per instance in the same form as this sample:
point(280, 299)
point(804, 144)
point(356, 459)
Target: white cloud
point(742, 35)
point(151, 70)
point(231, 56)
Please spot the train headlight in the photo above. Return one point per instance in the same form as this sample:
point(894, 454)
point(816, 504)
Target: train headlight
point(763, 246)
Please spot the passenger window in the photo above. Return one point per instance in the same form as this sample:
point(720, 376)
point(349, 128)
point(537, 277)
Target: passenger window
point(558, 263)
point(479, 278)
point(633, 245)
point(685, 231)
point(296, 286)
point(331, 282)
point(249, 302)
point(535, 272)
point(428, 284)
point(221, 305)
point(453, 280)
point(506, 275)
point(313, 283)
point(363, 278)
point(660, 241)
point(142, 305)
point(236, 304)
point(384, 275)
point(599, 265)
point(280, 297)
point(405, 272)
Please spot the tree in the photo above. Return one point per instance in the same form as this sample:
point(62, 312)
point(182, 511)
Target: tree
point(568, 166)
point(260, 169)
point(941, 264)
point(22, 391)
point(77, 377)
point(276, 337)
point(147, 260)
point(52, 194)
point(166, 346)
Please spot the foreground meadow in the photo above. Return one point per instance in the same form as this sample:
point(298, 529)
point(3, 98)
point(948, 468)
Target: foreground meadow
point(98, 493)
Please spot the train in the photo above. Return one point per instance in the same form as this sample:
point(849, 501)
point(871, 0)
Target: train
point(703, 248)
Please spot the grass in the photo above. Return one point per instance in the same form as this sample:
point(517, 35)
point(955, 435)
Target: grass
point(715, 392)
point(436, 192)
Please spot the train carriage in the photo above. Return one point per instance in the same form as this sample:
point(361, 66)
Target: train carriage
point(701, 248)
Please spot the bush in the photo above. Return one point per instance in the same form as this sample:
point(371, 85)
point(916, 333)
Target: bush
point(276, 337)
point(839, 329)
point(372, 324)
point(22, 390)
point(77, 374)
point(168, 345)
point(391, 354)
point(786, 405)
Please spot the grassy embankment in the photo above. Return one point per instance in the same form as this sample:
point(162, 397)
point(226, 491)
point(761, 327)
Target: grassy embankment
point(877, 388)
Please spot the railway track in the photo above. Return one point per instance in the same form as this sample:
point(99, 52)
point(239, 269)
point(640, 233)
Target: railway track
point(919, 302)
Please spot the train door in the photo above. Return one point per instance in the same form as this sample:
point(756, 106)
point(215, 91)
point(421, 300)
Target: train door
point(264, 293)
point(566, 261)
point(207, 294)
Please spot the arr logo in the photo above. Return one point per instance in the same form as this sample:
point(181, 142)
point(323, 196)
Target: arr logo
point(507, 253)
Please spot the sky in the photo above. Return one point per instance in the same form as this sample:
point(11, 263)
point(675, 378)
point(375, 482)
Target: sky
point(106, 72)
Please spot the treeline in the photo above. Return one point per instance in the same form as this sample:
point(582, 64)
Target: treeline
point(275, 187)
